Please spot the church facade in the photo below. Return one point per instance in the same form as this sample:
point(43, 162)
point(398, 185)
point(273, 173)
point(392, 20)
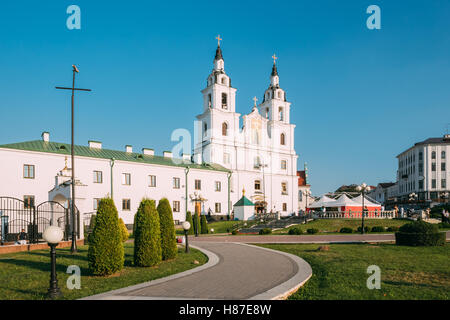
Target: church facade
point(261, 153)
point(257, 157)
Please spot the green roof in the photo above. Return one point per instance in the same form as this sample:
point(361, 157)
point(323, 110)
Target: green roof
point(84, 151)
point(244, 202)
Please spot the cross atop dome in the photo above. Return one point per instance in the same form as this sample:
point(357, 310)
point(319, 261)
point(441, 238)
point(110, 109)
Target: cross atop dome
point(274, 57)
point(274, 68)
point(218, 50)
point(255, 99)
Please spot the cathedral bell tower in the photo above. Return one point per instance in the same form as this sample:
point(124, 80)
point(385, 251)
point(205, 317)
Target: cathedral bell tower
point(274, 106)
point(218, 93)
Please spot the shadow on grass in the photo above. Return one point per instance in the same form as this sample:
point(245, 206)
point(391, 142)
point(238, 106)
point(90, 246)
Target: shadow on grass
point(43, 266)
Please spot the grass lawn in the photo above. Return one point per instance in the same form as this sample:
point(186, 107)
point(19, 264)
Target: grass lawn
point(26, 275)
point(327, 226)
point(340, 273)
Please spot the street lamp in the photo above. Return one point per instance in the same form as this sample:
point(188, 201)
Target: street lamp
point(186, 226)
point(53, 235)
point(307, 194)
point(363, 188)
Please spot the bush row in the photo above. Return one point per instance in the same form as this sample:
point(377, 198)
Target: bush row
point(153, 231)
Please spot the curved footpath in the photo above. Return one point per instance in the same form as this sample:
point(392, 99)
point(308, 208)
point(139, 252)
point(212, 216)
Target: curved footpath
point(233, 271)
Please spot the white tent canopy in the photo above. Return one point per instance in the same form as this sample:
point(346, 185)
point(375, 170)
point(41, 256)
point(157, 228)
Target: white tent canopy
point(322, 202)
point(367, 201)
point(344, 201)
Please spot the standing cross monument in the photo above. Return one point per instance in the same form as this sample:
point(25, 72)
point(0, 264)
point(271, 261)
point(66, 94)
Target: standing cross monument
point(73, 248)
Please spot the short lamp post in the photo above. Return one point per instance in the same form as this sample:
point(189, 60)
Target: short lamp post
point(363, 189)
point(53, 235)
point(186, 226)
point(412, 197)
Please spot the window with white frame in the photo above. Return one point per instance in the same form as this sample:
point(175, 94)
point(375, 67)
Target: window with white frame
point(126, 204)
point(151, 181)
point(176, 206)
point(284, 189)
point(226, 158)
point(28, 171)
point(126, 179)
point(96, 203)
point(176, 183)
point(218, 186)
point(283, 164)
point(218, 207)
point(198, 185)
point(98, 177)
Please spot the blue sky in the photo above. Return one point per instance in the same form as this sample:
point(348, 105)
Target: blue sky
point(359, 96)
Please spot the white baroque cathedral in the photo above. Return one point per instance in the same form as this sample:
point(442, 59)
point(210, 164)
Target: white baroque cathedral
point(261, 153)
point(228, 158)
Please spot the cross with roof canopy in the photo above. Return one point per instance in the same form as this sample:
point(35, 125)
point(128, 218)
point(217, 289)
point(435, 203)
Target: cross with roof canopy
point(218, 39)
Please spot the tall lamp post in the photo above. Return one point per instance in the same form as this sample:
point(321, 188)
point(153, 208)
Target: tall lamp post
point(73, 248)
point(307, 194)
point(53, 235)
point(363, 188)
point(186, 226)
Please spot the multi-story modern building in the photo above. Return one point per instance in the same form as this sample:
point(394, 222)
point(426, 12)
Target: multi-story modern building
point(423, 170)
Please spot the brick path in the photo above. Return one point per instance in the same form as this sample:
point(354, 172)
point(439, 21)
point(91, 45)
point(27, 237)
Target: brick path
point(242, 272)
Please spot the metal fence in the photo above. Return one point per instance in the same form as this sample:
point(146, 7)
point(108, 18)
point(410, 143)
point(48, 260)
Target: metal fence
point(355, 215)
point(19, 219)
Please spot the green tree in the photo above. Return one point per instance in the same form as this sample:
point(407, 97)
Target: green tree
point(203, 225)
point(189, 219)
point(147, 239)
point(168, 239)
point(106, 253)
point(123, 230)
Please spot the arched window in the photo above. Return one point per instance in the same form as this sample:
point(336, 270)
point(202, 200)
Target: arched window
point(280, 113)
point(224, 101)
point(267, 113)
point(257, 162)
point(279, 94)
point(257, 185)
point(433, 155)
point(224, 129)
point(209, 100)
point(224, 80)
point(282, 139)
point(442, 154)
point(205, 128)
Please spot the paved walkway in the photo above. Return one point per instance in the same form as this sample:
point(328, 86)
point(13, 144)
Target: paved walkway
point(234, 271)
point(349, 238)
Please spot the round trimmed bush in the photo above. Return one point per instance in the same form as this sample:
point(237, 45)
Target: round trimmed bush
point(147, 240)
point(420, 233)
point(189, 219)
point(168, 239)
point(366, 229)
point(312, 231)
point(106, 253)
point(295, 231)
point(234, 232)
point(346, 230)
point(444, 225)
point(265, 231)
point(123, 230)
point(378, 229)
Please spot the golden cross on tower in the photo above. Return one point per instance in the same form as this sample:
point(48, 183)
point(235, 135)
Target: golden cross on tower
point(274, 57)
point(218, 39)
point(255, 99)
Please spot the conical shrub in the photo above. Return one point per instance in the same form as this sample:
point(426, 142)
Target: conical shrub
point(168, 239)
point(106, 253)
point(147, 238)
point(189, 219)
point(123, 230)
point(203, 225)
point(196, 222)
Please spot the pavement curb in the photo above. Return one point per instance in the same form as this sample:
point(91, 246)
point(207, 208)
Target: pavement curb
point(284, 290)
point(213, 259)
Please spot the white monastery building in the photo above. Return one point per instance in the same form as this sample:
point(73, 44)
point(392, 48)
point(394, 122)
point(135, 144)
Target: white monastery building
point(227, 158)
